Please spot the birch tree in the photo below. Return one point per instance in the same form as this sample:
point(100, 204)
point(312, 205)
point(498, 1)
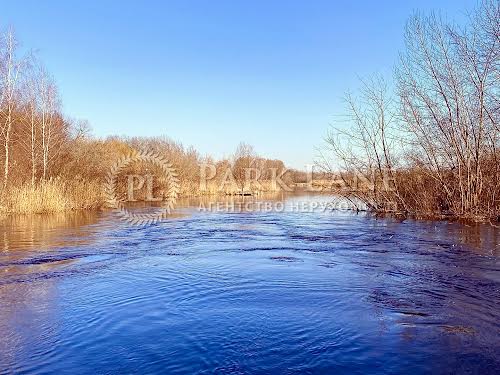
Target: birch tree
point(30, 119)
point(10, 69)
point(49, 115)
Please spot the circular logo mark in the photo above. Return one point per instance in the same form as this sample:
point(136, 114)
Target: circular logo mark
point(170, 195)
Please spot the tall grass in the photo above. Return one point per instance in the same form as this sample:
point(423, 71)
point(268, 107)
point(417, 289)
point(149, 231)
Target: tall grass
point(213, 188)
point(52, 196)
point(56, 195)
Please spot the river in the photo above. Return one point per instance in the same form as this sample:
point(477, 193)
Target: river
point(248, 291)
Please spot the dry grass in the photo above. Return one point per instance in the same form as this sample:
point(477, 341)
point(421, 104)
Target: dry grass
point(214, 188)
point(57, 195)
point(53, 196)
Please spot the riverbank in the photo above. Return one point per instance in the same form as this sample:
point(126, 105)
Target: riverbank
point(56, 196)
point(450, 217)
point(52, 196)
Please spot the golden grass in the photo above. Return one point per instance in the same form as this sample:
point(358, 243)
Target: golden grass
point(57, 195)
point(214, 188)
point(52, 196)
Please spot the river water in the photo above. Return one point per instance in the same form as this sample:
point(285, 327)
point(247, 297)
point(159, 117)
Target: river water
point(248, 291)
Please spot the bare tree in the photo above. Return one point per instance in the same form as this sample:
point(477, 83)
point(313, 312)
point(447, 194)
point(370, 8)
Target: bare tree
point(50, 120)
point(448, 86)
point(10, 69)
point(243, 162)
point(364, 149)
point(30, 119)
point(439, 146)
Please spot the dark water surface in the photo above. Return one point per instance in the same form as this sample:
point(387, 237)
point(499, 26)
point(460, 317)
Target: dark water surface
point(248, 292)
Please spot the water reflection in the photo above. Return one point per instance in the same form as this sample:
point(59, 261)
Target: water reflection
point(44, 231)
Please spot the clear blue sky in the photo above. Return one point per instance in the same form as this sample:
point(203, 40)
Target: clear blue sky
point(213, 73)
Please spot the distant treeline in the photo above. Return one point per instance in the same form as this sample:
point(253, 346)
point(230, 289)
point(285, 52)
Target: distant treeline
point(428, 143)
point(50, 162)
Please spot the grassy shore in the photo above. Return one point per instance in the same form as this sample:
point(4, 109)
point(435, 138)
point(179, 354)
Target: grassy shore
point(61, 196)
point(52, 196)
point(57, 196)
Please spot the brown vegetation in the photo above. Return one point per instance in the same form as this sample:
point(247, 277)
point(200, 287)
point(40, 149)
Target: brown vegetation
point(432, 147)
point(50, 163)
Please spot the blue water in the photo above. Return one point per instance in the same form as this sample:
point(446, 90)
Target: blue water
point(248, 293)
